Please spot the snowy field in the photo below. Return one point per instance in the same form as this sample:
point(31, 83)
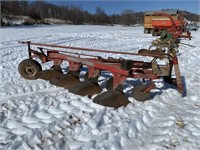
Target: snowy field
point(37, 115)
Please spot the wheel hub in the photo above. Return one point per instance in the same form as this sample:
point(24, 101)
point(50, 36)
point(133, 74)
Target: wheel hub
point(30, 71)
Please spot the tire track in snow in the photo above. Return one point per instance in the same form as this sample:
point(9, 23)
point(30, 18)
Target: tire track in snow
point(62, 127)
point(162, 132)
point(20, 127)
point(49, 136)
point(57, 41)
point(29, 94)
point(43, 139)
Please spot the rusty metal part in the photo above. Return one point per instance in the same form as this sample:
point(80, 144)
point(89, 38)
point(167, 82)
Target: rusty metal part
point(65, 81)
point(86, 88)
point(113, 98)
point(49, 74)
point(141, 92)
point(115, 81)
point(81, 49)
point(143, 51)
point(57, 68)
point(74, 73)
point(178, 75)
point(29, 69)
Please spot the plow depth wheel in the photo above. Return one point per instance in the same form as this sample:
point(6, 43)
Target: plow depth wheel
point(138, 93)
point(29, 68)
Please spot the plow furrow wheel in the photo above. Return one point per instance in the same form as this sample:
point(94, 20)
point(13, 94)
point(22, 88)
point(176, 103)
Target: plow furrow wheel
point(139, 94)
point(29, 69)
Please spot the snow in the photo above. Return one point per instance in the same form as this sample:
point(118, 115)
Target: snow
point(38, 115)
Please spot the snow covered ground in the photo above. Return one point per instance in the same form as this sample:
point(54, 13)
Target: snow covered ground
point(38, 115)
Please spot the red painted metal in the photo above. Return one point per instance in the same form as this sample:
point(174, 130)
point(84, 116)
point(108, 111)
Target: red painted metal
point(160, 23)
point(150, 87)
point(87, 49)
point(175, 27)
point(118, 79)
point(93, 72)
point(133, 69)
point(57, 62)
point(89, 62)
point(178, 75)
point(74, 66)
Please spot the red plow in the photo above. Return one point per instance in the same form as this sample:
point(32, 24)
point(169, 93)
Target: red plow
point(121, 69)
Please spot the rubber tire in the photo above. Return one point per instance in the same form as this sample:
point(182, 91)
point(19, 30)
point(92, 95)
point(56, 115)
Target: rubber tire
point(139, 95)
point(154, 33)
point(34, 66)
point(146, 31)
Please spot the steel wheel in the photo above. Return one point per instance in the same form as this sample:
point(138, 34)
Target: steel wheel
point(138, 93)
point(29, 68)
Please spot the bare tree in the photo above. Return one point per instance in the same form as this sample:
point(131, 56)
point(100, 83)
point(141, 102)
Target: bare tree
point(127, 17)
point(101, 16)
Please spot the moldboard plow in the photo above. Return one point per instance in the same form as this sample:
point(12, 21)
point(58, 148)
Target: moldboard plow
point(121, 69)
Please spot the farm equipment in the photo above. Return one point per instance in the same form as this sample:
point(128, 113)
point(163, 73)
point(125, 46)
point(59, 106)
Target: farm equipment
point(172, 22)
point(121, 69)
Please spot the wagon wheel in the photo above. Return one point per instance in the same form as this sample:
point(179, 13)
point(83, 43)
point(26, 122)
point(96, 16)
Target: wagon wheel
point(29, 68)
point(138, 93)
point(146, 31)
point(154, 33)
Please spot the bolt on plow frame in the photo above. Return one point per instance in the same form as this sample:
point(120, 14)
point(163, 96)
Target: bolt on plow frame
point(121, 69)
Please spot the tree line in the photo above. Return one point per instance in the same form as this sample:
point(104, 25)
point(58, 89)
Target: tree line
point(38, 10)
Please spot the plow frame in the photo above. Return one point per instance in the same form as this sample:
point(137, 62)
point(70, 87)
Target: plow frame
point(120, 68)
